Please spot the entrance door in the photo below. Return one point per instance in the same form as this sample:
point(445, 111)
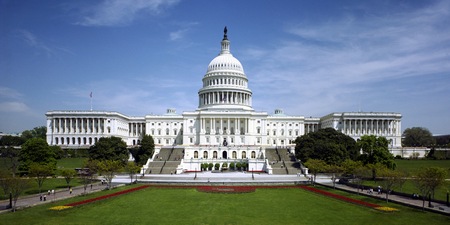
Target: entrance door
point(224, 155)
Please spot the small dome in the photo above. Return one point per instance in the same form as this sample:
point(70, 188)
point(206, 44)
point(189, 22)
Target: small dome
point(225, 62)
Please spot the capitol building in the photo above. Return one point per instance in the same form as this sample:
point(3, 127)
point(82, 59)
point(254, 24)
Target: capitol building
point(224, 127)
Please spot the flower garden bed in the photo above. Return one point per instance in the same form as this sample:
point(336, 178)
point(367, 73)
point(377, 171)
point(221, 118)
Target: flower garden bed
point(227, 189)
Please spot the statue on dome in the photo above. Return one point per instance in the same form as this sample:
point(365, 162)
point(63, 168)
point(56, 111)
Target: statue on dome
point(225, 30)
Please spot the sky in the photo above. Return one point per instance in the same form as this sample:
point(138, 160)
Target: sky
point(309, 58)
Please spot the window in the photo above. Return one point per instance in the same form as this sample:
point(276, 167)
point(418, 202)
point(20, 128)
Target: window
point(258, 130)
point(191, 140)
point(167, 131)
point(274, 132)
point(195, 155)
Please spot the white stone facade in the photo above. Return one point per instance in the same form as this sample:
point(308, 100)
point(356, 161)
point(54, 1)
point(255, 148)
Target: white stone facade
point(224, 118)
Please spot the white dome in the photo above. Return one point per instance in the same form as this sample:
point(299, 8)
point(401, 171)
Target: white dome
point(225, 62)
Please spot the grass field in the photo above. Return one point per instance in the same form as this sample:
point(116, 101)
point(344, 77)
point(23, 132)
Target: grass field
point(188, 206)
point(70, 163)
point(413, 166)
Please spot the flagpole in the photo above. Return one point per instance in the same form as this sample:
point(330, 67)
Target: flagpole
point(90, 96)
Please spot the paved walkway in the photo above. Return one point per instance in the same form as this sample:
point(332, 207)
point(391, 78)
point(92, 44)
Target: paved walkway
point(417, 203)
point(33, 200)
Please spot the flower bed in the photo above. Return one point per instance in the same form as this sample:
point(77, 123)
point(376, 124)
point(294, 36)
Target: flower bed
point(107, 196)
point(226, 189)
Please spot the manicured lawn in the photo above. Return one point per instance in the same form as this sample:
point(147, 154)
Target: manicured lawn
point(49, 184)
point(70, 163)
point(188, 206)
point(413, 166)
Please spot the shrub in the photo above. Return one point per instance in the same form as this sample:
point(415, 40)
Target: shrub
point(217, 166)
point(210, 166)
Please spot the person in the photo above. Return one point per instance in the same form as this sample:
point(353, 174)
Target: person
point(70, 190)
point(53, 192)
point(45, 197)
point(40, 197)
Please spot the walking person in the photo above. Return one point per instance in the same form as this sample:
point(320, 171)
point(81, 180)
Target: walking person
point(70, 190)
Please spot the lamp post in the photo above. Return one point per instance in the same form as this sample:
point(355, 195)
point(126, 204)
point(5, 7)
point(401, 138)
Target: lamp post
point(143, 170)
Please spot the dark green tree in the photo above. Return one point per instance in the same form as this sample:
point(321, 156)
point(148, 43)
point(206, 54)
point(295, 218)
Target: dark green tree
point(375, 150)
point(37, 132)
point(12, 155)
point(144, 151)
point(9, 140)
point(109, 148)
point(36, 150)
point(326, 144)
point(418, 137)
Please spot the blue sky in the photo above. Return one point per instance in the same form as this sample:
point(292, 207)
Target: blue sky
point(309, 58)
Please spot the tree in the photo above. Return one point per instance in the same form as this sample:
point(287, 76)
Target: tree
point(361, 173)
point(109, 148)
point(326, 144)
point(87, 174)
point(335, 171)
point(349, 166)
point(16, 187)
point(40, 172)
point(144, 151)
point(13, 155)
point(418, 137)
point(315, 166)
point(9, 140)
point(390, 179)
point(375, 151)
point(108, 168)
point(37, 132)
point(428, 179)
point(36, 150)
point(68, 175)
point(131, 168)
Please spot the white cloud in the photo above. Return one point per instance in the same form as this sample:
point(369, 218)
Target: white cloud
point(120, 12)
point(34, 42)
point(13, 107)
point(336, 65)
point(9, 93)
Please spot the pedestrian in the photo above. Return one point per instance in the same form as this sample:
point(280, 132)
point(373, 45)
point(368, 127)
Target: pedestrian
point(45, 197)
point(70, 190)
point(40, 197)
point(48, 192)
point(53, 192)
point(91, 186)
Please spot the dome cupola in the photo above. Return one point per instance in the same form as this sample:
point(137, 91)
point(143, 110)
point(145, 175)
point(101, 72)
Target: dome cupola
point(225, 85)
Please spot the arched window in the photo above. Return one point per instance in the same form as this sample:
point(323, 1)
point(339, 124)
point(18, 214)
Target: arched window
point(253, 154)
point(195, 154)
point(234, 154)
point(215, 155)
point(205, 154)
point(244, 155)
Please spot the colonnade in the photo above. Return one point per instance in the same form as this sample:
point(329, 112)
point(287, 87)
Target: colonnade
point(136, 129)
point(78, 125)
point(234, 126)
point(371, 127)
point(225, 97)
point(225, 81)
point(311, 128)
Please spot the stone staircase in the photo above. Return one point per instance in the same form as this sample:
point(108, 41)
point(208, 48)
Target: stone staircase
point(167, 161)
point(282, 161)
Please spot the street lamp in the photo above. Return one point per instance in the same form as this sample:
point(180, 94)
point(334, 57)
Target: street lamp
point(143, 170)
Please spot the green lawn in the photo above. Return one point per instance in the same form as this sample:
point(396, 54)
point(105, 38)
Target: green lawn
point(413, 166)
point(70, 163)
point(187, 206)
